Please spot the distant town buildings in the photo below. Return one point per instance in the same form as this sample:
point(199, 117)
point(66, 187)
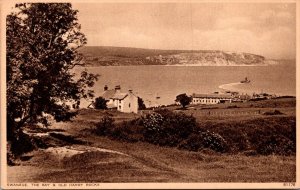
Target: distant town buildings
point(122, 101)
point(229, 97)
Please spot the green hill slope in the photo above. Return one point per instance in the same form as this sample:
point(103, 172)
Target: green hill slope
point(107, 56)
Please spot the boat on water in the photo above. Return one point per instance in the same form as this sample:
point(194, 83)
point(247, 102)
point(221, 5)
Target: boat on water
point(246, 80)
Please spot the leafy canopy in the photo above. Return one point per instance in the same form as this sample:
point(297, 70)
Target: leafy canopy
point(42, 43)
point(100, 103)
point(183, 99)
point(141, 104)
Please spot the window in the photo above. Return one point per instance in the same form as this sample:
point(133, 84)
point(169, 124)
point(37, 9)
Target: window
point(119, 107)
point(120, 101)
point(129, 105)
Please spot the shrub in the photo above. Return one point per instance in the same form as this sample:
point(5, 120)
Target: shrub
point(214, 141)
point(100, 103)
point(152, 124)
point(141, 104)
point(166, 128)
point(235, 138)
point(105, 125)
point(193, 143)
point(272, 135)
point(204, 140)
point(276, 144)
point(128, 131)
point(24, 143)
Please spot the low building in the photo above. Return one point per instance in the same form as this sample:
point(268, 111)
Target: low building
point(122, 101)
point(211, 98)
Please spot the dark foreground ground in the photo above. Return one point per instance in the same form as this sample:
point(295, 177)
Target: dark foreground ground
point(100, 159)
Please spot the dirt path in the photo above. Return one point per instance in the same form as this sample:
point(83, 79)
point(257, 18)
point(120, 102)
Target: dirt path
point(87, 164)
point(99, 159)
point(91, 161)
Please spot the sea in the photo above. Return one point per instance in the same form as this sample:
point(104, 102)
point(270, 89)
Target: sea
point(159, 85)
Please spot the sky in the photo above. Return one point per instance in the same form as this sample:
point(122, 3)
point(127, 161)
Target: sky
point(267, 29)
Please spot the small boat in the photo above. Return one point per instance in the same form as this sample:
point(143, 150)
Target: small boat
point(245, 81)
point(157, 96)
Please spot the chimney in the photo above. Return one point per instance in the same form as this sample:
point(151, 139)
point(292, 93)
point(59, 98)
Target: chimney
point(105, 88)
point(118, 89)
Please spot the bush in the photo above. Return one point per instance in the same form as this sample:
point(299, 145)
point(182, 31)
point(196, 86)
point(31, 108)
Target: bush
point(141, 104)
point(166, 128)
point(235, 138)
point(105, 126)
point(100, 103)
point(24, 143)
point(204, 140)
point(276, 144)
point(128, 131)
point(274, 135)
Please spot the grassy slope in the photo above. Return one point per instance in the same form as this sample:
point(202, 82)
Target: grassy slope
point(143, 162)
point(107, 55)
point(128, 51)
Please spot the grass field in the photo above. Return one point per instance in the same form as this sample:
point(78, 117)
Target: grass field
point(101, 159)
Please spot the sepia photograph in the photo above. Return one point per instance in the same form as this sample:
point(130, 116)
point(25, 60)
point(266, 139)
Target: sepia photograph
point(173, 93)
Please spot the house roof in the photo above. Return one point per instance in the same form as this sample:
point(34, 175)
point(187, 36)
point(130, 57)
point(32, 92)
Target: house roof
point(108, 94)
point(116, 95)
point(211, 96)
point(119, 96)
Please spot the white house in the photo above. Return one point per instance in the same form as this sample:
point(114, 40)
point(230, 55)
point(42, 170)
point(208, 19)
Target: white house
point(122, 101)
point(211, 98)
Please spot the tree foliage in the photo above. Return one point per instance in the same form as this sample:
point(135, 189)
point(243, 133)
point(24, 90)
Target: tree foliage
point(141, 104)
point(183, 99)
point(42, 43)
point(100, 103)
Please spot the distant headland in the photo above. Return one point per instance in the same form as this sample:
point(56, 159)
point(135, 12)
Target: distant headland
point(121, 56)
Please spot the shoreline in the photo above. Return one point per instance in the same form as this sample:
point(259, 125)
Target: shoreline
point(230, 87)
point(233, 87)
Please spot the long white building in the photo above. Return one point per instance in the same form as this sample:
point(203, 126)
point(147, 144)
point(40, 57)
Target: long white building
point(211, 98)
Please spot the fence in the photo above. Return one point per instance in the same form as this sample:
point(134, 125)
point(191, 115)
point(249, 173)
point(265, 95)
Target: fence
point(230, 112)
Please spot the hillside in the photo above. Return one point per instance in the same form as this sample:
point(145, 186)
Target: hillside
point(114, 56)
point(67, 150)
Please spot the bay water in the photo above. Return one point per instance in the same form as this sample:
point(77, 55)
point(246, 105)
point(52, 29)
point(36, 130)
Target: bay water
point(159, 85)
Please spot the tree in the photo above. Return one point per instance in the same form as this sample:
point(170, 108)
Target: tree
point(141, 104)
point(100, 103)
point(183, 99)
point(42, 43)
